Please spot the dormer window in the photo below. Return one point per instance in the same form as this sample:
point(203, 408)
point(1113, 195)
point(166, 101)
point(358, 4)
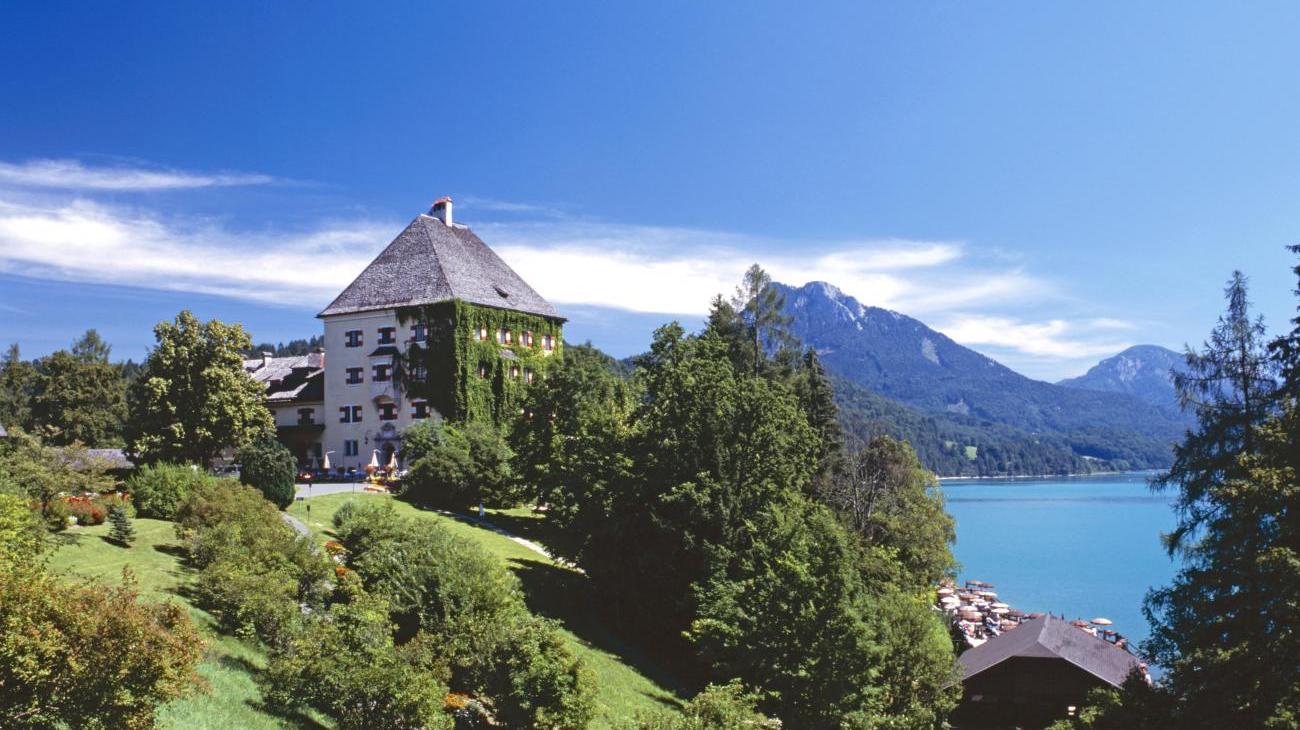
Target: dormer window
point(387, 335)
point(501, 292)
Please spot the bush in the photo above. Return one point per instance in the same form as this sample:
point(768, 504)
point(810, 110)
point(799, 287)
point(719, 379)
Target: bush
point(271, 468)
point(254, 570)
point(56, 514)
point(88, 510)
point(87, 656)
point(536, 682)
point(719, 707)
point(21, 537)
point(460, 466)
point(158, 489)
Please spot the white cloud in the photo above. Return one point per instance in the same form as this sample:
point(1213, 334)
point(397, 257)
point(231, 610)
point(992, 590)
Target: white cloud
point(73, 175)
point(86, 241)
point(1058, 339)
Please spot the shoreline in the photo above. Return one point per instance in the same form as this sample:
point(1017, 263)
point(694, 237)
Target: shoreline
point(1048, 476)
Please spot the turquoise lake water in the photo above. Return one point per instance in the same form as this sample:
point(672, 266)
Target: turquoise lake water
point(1079, 546)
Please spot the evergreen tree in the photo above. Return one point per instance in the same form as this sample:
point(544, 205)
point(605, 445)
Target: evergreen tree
point(267, 465)
point(1230, 611)
point(817, 398)
point(120, 530)
point(760, 308)
point(194, 398)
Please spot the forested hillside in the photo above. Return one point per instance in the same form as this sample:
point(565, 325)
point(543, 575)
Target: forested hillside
point(899, 357)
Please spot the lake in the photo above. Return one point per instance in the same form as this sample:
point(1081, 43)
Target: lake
point(1079, 546)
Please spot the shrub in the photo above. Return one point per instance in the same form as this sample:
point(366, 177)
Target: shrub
point(718, 707)
point(346, 665)
point(536, 682)
point(461, 466)
point(88, 656)
point(21, 537)
point(121, 531)
point(271, 468)
point(88, 510)
point(254, 569)
point(56, 514)
point(158, 489)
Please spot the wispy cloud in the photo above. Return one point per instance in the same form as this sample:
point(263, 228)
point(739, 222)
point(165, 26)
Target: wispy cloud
point(1052, 338)
point(74, 175)
point(534, 210)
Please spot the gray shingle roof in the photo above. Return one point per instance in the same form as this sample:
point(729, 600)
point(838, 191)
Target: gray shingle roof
point(431, 262)
point(288, 379)
point(1049, 637)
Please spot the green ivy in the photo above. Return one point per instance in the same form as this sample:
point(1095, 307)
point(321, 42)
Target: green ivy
point(451, 382)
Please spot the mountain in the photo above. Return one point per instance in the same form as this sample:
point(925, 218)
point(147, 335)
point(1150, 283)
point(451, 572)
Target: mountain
point(1142, 371)
point(900, 358)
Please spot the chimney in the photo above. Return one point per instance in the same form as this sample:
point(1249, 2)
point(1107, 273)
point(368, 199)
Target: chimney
point(442, 210)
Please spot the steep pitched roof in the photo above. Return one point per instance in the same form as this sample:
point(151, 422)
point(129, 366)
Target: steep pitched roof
point(1049, 637)
point(431, 262)
point(290, 379)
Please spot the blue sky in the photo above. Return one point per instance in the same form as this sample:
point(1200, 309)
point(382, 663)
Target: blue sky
point(1046, 183)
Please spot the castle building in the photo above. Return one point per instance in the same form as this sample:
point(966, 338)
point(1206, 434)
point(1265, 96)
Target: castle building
point(437, 326)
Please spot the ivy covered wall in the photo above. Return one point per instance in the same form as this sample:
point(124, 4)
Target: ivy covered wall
point(445, 369)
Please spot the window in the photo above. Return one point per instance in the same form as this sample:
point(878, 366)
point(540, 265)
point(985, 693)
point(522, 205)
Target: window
point(387, 335)
point(526, 339)
point(548, 343)
point(383, 372)
point(482, 334)
point(350, 414)
point(352, 338)
point(417, 373)
point(419, 409)
point(482, 370)
point(355, 375)
point(306, 416)
point(503, 337)
point(419, 332)
point(514, 372)
point(350, 447)
point(528, 375)
point(388, 411)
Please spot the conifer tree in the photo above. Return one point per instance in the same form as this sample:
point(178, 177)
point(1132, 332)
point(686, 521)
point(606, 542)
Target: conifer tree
point(120, 530)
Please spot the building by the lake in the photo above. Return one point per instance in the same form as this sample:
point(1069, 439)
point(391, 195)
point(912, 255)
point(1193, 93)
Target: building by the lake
point(1035, 674)
point(437, 326)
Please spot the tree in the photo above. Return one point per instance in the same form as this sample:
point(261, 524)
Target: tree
point(17, 379)
point(1230, 609)
point(760, 308)
point(886, 496)
point(267, 465)
point(79, 395)
point(461, 465)
point(717, 707)
point(817, 398)
point(120, 530)
point(194, 398)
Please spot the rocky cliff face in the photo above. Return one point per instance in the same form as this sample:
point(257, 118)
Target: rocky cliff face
point(1142, 371)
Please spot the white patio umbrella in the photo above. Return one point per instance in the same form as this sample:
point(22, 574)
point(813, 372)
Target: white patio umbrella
point(392, 462)
point(325, 463)
point(1102, 621)
point(374, 459)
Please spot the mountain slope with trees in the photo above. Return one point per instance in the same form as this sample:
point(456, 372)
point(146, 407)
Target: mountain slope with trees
point(902, 359)
point(1142, 371)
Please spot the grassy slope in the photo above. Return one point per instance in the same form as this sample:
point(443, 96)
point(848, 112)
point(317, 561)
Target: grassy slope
point(229, 665)
point(628, 683)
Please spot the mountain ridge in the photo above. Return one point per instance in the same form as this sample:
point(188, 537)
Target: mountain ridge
point(1142, 371)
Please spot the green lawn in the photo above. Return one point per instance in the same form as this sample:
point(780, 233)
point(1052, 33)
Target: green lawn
point(232, 699)
point(628, 682)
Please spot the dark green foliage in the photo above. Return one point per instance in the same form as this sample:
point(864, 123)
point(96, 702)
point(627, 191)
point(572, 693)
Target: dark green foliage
point(459, 466)
point(17, 382)
point(344, 663)
point(193, 398)
point(445, 592)
point(120, 530)
point(884, 495)
point(79, 396)
point(157, 490)
point(817, 398)
point(267, 465)
point(718, 707)
point(22, 537)
point(294, 348)
point(447, 371)
point(683, 494)
point(254, 569)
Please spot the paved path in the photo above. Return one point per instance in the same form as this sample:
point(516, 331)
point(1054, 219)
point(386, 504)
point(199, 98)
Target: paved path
point(296, 524)
point(321, 489)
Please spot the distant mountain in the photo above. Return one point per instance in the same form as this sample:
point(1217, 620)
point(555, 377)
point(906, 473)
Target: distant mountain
point(900, 358)
point(1142, 371)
